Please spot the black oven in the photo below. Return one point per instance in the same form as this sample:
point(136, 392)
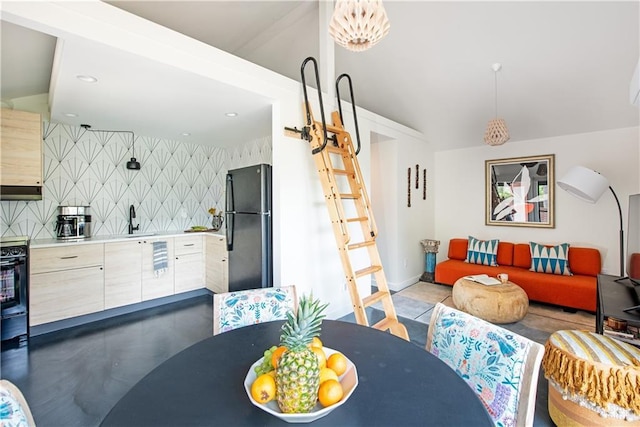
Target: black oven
point(14, 288)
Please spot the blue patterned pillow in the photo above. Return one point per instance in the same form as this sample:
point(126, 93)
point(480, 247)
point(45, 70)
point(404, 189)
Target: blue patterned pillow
point(482, 251)
point(550, 259)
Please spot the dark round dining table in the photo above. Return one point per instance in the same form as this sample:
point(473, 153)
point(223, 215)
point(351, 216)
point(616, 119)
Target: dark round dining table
point(400, 384)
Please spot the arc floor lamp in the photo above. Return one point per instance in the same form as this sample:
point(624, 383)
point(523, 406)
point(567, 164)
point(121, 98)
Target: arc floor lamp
point(589, 185)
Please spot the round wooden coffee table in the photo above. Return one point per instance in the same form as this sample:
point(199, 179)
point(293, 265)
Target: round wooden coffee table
point(503, 303)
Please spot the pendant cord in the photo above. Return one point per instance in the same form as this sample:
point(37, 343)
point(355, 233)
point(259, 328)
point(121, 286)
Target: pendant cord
point(495, 75)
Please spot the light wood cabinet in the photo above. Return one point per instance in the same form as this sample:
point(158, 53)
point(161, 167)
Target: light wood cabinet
point(122, 273)
point(21, 147)
point(156, 286)
point(217, 279)
point(65, 282)
point(44, 260)
point(189, 263)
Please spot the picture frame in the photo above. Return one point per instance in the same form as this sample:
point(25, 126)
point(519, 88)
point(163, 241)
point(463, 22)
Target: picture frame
point(519, 191)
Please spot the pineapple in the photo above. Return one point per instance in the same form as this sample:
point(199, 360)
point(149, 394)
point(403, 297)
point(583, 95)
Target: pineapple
point(298, 374)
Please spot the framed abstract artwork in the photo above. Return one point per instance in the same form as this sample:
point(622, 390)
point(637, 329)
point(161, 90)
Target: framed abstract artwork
point(520, 191)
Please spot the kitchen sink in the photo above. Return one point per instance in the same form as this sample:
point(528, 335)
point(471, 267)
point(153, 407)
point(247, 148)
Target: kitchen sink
point(136, 235)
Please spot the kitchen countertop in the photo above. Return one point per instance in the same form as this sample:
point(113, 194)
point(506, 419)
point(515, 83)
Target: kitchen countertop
point(48, 243)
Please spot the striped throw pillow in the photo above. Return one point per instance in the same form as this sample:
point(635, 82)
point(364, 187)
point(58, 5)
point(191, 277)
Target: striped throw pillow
point(482, 252)
point(550, 259)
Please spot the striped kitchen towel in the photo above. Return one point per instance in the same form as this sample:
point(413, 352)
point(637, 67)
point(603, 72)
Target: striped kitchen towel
point(160, 258)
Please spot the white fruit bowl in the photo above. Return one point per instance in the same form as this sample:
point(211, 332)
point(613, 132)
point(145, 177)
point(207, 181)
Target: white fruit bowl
point(349, 381)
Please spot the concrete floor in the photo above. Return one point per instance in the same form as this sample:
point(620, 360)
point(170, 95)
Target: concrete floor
point(74, 377)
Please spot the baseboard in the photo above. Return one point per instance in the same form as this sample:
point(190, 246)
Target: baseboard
point(398, 286)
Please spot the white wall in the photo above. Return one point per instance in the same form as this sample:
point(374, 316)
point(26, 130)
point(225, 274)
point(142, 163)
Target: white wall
point(304, 248)
point(402, 227)
point(309, 257)
point(460, 195)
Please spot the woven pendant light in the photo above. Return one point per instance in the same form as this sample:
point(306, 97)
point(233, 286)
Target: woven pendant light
point(358, 24)
point(497, 132)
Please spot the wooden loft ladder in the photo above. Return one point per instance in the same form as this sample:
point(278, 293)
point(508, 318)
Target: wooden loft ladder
point(349, 207)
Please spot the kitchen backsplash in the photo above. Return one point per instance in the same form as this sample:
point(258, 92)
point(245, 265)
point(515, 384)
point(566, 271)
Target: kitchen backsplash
point(174, 189)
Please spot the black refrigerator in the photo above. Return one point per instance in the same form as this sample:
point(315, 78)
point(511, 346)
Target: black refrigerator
point(249, 235)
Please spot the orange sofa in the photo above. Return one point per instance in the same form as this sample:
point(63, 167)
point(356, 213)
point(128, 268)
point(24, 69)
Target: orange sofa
point(577, 291)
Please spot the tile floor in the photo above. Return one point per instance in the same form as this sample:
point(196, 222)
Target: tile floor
point(73, 377)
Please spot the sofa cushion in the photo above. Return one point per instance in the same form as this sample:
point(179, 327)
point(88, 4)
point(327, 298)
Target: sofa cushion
point(585, 261)
point(505, 253)
point(458, 249)
point(522, 255)
point(550, 259)
point(577, 291)
point(482, 252)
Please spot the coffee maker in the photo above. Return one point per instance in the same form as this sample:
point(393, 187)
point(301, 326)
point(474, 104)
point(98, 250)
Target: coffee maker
point(74, 222)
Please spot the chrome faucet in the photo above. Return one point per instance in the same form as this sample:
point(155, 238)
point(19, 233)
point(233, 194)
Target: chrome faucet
point(132, 215)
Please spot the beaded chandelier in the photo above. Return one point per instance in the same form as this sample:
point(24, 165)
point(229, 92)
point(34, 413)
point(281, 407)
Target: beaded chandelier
point(497, 132)
point(358, 24)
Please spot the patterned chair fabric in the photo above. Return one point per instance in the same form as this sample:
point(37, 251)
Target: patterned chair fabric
point(234, 310)
point(499, 365)
point(14, 410)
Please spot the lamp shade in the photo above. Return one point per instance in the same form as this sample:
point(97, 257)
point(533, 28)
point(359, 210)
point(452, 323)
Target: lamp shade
point(358, 24)
point(584, 183)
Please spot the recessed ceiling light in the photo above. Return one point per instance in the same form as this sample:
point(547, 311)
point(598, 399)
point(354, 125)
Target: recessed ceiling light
point(186, 134)
point(231, 114)
point(70, 115)
point(86, 78)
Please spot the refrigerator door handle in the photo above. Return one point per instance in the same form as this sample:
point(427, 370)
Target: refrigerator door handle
point(230, 211)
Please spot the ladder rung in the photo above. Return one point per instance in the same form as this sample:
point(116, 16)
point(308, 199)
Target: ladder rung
point(331, 128)
point(334, 149)
point(369, 270)
point(361, 245)
point(340, 172)
point(349, 196)
point(374, 298)
point(358, 219)
point(385, 324)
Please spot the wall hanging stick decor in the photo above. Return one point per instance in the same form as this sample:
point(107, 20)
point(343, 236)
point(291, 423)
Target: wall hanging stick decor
point(417, 177)
point(409, 187)
point(424, 184)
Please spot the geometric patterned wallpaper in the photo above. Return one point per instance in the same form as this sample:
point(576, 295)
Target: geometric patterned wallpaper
point(175, 187)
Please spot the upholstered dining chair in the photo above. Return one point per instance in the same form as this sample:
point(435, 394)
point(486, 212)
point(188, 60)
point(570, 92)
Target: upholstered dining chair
point(14, 410)
point(233, 310)
point(500, 366)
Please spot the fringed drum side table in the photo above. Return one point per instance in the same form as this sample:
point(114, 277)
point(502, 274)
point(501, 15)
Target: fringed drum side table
point(594, 380)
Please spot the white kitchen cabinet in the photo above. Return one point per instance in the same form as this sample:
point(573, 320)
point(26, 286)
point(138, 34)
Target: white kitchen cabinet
point(21, 146)
point(217, 279)
point(189, 263)
point(156, 286)
point(65, 282)
point(122, 273)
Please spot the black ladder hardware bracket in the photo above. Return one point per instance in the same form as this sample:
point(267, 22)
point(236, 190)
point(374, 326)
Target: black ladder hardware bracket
point(306, 100)
point(304, 132)
point(353, 104)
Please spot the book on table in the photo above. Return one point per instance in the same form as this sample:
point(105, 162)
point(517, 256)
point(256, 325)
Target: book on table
point(483, 279)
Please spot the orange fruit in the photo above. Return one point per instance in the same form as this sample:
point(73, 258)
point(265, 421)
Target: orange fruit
point(330, 392)
point(327, 374)
point(263, 389)
point(322, 358)
point(315, 342)
point(338, 363)
point(275, 356)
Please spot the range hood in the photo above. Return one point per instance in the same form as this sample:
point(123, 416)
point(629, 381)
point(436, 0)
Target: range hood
point(20, 192)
